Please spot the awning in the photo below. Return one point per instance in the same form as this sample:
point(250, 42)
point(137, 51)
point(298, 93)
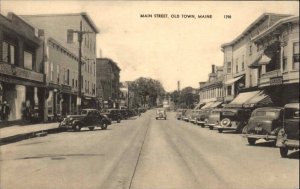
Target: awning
point(207, 105)
point(216, 104)
point(231, 81)
point(242, 98)
point(260, 99)
point(198, 105)
point(262, 59)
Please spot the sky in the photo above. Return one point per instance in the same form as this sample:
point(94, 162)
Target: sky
point(166, 49)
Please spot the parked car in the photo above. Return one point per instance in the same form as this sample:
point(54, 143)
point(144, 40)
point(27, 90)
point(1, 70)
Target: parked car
point(192, 117)
point(161, 114)
point(89, 118)
point(213, 118)
point(288, 136)
point(264, 123)
point(180, 113)
point(186, 115)
point(234, 119)
point(113, 114)
point(124, 113)
point(202, 118)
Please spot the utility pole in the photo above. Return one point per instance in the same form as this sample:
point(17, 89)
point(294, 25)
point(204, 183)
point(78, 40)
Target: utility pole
point(80, 34)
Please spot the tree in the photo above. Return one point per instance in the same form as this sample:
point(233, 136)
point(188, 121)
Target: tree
point(186, 98)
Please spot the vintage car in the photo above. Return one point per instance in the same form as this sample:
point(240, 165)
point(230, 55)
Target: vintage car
point(234, 119)
point(180, 113)
point(213, 118)
point(193, 116)
point(264, 123)
point(288, 136)
point(186, 115)
point(202, 117)
point(113, 114)
point(161, 114)
point(89, 118)
point(124, 113)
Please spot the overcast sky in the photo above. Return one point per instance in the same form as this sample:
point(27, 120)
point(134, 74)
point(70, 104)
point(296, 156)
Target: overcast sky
point(169, 49)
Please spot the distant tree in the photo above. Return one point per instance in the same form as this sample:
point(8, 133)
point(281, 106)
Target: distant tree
point(186, 98)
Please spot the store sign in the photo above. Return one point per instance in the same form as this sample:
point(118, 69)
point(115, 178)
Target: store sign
point(276, 80)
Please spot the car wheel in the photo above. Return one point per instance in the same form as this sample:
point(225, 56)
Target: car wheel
point(211, 127)
point(118, 120)
point(283, 152)
point(77, 127)
point(202, 125)
point(165, 118)
point(91, 128)
point(251, 141)
point(104, 126)
point(220, 130)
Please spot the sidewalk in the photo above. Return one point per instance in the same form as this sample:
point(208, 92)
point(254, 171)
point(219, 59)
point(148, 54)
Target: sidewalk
point(20, 132)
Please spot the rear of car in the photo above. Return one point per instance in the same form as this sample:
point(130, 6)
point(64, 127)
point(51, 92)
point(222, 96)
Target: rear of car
point(264, 123)
point(288, 137)
point(179, 113)
point(161, 114)
point(213, 118)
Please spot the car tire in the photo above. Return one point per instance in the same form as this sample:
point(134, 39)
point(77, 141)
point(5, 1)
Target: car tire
point(211, 128)
point(104, 126)
point(91, 128)
point(202, 125)
point(119, 120)
point(77, 127)
point(220, 130)
point(165, 118)
point(283, 152)
point(251, 141)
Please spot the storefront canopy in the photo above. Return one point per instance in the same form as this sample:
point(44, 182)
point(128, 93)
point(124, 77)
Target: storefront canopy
point(207, 105)
point(216, 104)
point(231, 81)
point(260, 99)
point(199, 105)
point(242, 98)
point(262, 59)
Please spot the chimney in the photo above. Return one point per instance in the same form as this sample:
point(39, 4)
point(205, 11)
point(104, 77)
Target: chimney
point(213, 68)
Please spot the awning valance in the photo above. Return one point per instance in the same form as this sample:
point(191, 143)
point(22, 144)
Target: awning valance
point(216, 104)
point(242, 98)
point(207, 105)
point(231, 81)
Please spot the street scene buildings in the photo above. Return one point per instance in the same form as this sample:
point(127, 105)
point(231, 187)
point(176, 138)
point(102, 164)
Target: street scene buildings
point(73, 118)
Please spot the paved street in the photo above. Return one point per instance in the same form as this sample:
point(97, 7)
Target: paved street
point(144, 153)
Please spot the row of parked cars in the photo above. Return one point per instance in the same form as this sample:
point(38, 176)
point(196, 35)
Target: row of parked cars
point(92, 118)
point(278, 124)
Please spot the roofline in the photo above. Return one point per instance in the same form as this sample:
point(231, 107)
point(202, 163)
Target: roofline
point(110, 61)
point(255, 22)
point(274, 26)
point(83, 14)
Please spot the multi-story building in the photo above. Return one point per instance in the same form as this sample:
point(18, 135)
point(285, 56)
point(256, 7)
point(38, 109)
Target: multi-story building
point(108, 73)
point(62, 53)
point(211, 91)
point(240, 53)
point(276, 62)
point(22, 83)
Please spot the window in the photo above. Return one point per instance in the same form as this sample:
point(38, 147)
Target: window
point(237, 65)
point(76, 84)
point(51, 71)
point(228, 67)
point(284, 58)
point(8, 53)
point(72, 83)
point(28, 60)
point(67, 78)
point(58, 74)
point(229, 88)
point(296, 56)
point(243, 63)
point(250, 50)
point(70, 36)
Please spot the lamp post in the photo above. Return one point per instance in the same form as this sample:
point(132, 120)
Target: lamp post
point(80, 77)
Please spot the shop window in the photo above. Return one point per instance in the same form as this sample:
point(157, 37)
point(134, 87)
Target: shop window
point(28, 60)
point(296, 56)
point(228, 67)
point(8, 53)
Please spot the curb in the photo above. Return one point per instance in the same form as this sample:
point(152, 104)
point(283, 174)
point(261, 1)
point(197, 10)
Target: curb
point(24, 136)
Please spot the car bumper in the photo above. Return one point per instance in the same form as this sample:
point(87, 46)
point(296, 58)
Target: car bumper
point(266, 137)
point(200, 122)
point(210, 124)
point(290, 143)
point(225, 128)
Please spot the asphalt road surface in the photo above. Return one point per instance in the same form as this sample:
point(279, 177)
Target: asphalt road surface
point(144, 153)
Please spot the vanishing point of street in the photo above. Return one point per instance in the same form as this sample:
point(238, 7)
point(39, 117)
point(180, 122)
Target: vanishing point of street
point(144, 153)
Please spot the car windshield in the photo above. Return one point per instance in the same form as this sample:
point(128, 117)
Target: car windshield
point(291, 113)
point(266, 113)
point(160, 111)
point(83, 112)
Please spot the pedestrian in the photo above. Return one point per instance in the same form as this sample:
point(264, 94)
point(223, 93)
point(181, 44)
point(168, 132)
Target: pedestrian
point(5, 111)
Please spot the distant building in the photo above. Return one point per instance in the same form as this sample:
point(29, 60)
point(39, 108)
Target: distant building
point(61, 64)
point(22, 83)
point(108, 74)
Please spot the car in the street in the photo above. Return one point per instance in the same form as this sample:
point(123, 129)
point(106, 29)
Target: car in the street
point(113, 114)
point(180, 113)
point(193, 115)
point(288, 136)
point(264, 123)
point(124, 114)
point(202, 118)
point(186, 115)
point(161, 114)
point(89, 118)
point(234, 119)
point(213, 118)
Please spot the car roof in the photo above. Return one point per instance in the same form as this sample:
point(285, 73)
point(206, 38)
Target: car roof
point(292, 105)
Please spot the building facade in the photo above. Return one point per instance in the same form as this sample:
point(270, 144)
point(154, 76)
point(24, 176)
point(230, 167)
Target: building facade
point(62, 55)
point(108, 74)
point(240, 53)
point(22, 82)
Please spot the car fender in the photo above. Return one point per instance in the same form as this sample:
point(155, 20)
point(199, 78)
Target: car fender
point(75, 122)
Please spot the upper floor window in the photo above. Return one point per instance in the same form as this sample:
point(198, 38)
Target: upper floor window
point(70, 38)
point(8, 52)
point(28, 60)
point(228, 67)
point(250, 50)
point(296, 55)
point(51, 71)
point(243, 63)
point(237, 65)
point(284, 58)
point(58, 75)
